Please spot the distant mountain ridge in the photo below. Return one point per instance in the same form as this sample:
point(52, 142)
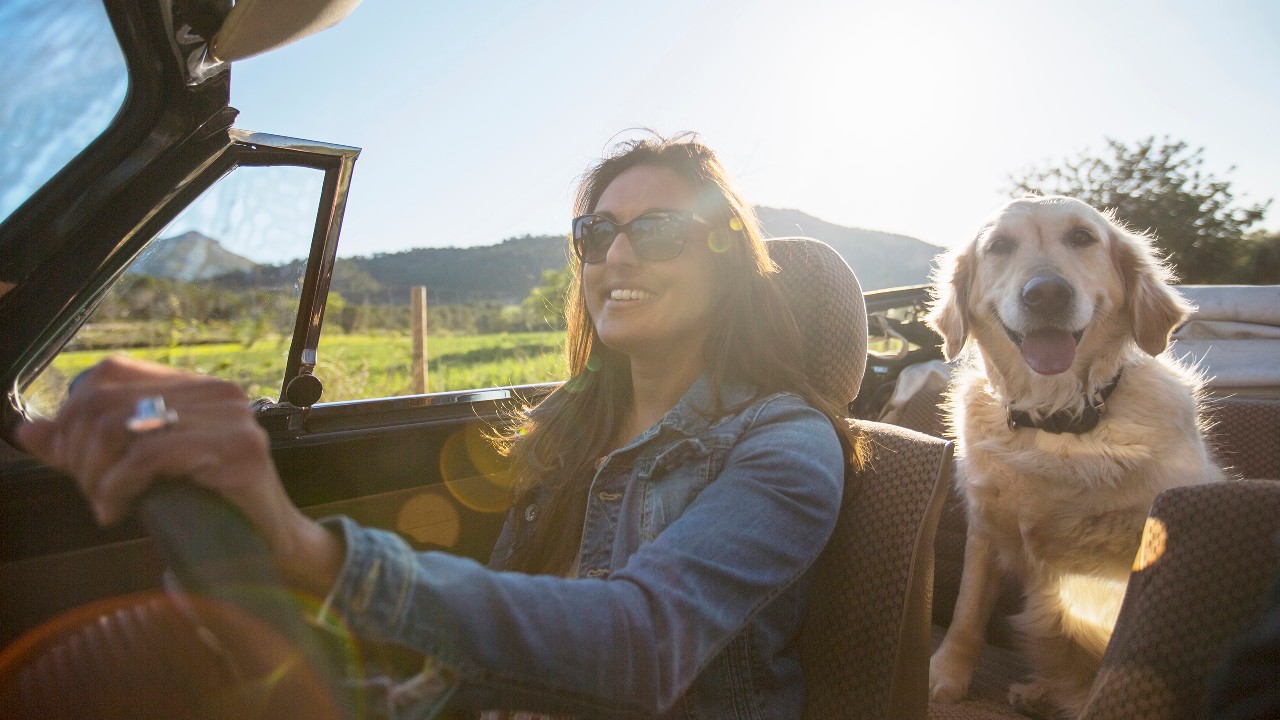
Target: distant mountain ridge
point(190, 256)
point(879, 259)
point(507, 271)
point(504, 272)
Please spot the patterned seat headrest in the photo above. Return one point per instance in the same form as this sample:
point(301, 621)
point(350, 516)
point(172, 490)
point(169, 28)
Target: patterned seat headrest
point(826, 300)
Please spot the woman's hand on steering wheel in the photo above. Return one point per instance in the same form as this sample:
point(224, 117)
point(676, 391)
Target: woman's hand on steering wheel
point(207, 434)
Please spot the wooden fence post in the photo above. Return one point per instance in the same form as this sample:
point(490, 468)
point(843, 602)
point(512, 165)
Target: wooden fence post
point(419, 312)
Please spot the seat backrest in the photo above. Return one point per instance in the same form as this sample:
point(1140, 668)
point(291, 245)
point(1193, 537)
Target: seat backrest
point(865, 641)
point(922, 410)
point(1245, 434)
point(1207, 559)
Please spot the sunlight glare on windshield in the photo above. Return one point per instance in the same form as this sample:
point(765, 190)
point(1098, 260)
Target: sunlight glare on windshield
point(55, 96)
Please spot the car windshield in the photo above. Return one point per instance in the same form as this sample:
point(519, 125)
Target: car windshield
point(62, 80)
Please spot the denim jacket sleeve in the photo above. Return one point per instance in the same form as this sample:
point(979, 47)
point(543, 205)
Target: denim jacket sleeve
point(632, 643)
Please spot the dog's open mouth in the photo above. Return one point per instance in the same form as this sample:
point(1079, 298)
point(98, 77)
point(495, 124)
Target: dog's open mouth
point(1048, 351)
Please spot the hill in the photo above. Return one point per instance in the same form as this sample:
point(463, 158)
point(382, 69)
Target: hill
point(880, 259)
point(505, 273)
point(190, 256)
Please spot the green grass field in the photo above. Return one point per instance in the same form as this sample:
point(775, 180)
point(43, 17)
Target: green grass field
point(363, 366)
point(350, 366)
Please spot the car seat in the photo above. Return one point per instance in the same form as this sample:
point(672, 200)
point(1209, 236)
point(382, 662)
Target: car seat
point(865, 641)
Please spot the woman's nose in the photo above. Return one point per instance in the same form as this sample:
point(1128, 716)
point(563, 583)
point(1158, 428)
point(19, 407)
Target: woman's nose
point(620, 252)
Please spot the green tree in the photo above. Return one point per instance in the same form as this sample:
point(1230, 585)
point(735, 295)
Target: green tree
point(546, 302)
point(1262, 266)
point(1161, 186)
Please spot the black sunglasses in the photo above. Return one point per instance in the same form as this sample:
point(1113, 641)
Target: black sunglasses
point(655, 235)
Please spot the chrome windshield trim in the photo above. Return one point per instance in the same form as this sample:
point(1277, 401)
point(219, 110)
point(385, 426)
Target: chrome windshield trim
point(255, 139)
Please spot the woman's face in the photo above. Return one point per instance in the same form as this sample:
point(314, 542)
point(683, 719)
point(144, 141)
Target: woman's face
point(645, 308)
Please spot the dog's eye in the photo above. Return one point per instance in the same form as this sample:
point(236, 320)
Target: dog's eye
point(1081, 238)
point(1000, 245)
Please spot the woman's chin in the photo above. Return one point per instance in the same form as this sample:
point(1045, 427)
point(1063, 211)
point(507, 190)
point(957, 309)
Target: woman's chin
point(651, 348)
point(622, 342)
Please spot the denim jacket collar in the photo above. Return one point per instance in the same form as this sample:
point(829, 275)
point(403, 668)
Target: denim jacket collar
point(696, 410)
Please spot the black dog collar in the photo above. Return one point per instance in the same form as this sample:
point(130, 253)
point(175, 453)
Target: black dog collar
point(1067, 421)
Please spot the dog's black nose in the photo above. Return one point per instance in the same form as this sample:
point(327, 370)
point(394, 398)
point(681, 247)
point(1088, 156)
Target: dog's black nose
point(1046, 294)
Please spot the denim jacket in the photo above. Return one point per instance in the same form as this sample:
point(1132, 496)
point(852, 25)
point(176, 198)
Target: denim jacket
point(693, 578)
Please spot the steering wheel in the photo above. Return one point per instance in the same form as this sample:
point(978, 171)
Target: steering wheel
point(233, 644)
point(216, 553)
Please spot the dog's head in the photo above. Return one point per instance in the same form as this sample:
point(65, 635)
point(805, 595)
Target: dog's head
point(1050, 276)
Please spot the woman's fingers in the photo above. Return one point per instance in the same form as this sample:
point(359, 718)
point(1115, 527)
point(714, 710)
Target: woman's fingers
point(96, 437)
point(215, 440)
point(113, 493)
point(37, 438)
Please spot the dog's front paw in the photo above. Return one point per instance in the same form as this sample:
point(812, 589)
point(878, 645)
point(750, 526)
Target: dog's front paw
point(949, 675)
point(1032, 698)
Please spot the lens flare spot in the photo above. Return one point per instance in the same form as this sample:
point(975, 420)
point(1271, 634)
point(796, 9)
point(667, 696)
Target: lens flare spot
point(594, 363)
point(429, 518)
point(483, 454)
point(736, 224)
point(473, 471)
point(718, 241)
point(1154, 538)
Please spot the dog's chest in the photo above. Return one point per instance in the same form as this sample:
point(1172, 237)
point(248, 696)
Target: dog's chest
point(1045, 463)
point(1066, 502)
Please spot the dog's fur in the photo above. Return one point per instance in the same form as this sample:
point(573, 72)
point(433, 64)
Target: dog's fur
point(1063, 513)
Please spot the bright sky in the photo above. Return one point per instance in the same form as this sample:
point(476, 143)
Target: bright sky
point(476, 119)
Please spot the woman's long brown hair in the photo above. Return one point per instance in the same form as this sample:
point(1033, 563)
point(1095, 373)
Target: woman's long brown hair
point(753, 338)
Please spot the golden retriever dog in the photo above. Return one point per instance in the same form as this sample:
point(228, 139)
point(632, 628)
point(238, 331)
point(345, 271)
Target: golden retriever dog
point(1069, 421)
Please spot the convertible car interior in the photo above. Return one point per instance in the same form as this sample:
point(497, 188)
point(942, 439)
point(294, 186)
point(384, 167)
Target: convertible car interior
point(164, 615)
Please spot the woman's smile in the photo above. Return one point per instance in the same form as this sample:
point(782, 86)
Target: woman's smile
point(630, 295)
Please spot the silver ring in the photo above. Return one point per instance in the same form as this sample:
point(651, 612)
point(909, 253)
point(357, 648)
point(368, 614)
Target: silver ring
point(150, 415)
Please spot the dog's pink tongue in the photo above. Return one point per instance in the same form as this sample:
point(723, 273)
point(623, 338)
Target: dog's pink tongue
point(1049, 352)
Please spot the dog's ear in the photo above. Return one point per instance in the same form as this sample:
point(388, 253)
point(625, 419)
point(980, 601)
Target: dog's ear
point(949, 311)
point(1154, 308)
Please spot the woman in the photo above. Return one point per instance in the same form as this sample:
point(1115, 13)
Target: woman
point(673, 493)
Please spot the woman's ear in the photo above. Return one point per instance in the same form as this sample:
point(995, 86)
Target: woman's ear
point(949, 311)
point(1154, 308)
